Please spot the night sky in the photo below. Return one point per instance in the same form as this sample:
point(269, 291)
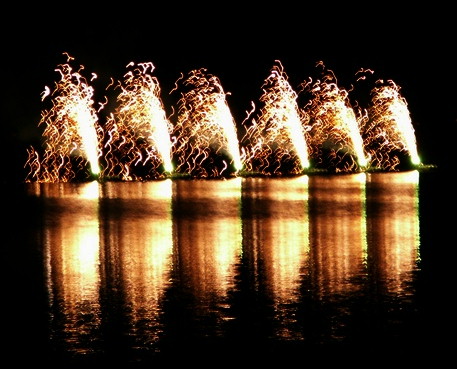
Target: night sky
point(239, 45)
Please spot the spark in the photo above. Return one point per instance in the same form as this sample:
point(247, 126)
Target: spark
point(389, 129)
point(138, 133)
point(45, 93)
point(138, 141)
point(363, 76)
point(71, 133)
point(335, 128)
point(277, 134)
point(205, 130)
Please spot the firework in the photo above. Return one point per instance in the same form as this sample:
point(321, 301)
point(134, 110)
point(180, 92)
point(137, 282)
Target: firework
point(71, 134)
point(206, 141)
point(138, 144)
point(290, 134)
point(389, 130)
point(335, 136)
point(275, 142)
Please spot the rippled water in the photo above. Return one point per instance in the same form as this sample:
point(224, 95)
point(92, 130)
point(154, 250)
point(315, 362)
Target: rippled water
point(308, 266)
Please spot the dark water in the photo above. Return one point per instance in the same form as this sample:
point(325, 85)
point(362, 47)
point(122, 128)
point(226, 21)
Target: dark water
point(322, 267)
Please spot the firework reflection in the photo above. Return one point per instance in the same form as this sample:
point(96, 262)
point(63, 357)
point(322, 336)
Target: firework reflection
point(276, 245)
point(207, 249)
point(337, 249)
point(72, 265)
point(393, 229)
point(136, 247)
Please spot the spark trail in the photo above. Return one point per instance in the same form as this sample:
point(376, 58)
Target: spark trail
point(138, 142)
point(389, 130)
point(335, 129)
point(205, 132)
point(71, 133)
point(275, 143)
point(138, 133)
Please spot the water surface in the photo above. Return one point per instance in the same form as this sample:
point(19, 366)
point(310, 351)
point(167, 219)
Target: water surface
point(133, 272)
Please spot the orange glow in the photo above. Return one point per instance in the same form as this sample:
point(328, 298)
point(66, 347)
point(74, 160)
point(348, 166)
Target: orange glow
point(276, 238)
point(138, 239)
point(88, 191)
point(149, 190)
point(208, 239)
point(72, 260)
point(393, 229)
point(337, 231)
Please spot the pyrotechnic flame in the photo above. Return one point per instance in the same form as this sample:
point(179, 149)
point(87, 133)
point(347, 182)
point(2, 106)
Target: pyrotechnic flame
point(139, 142)
point(334, 125)
point(71, 131)
point(205, 130)
point(138, 133)
point(389, 129)
point(277, 135)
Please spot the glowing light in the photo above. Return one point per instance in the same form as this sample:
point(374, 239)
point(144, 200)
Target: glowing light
point(335, 129)
point(205, 127)
point(72, 133)
point(394, 229)
point(87, 191)
point(72, 265)
point(277, 135)
point(389, 128)
point(208, 239)
point(337, 231)
point(140, 256)
point(317, 129)
point(157, 190)
point(138, 133)
point(276, 236)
